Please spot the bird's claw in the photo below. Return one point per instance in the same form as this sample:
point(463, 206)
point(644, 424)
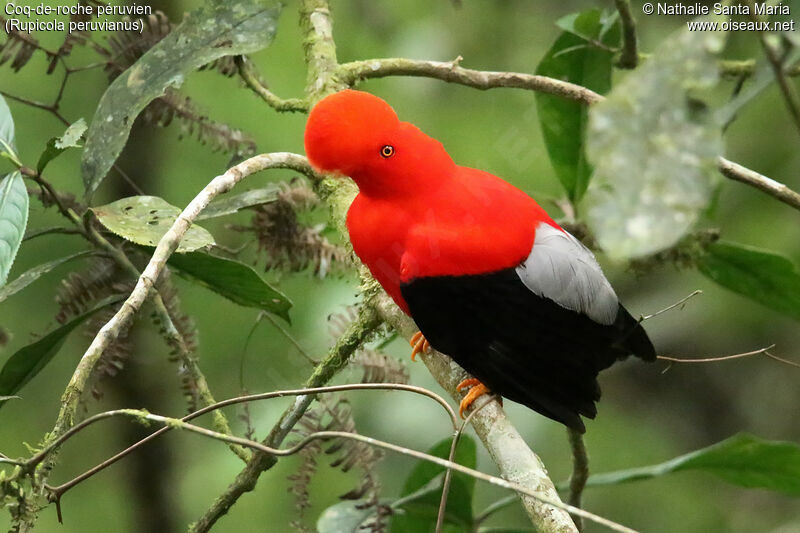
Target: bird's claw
point(419, 344)
point(476, 390)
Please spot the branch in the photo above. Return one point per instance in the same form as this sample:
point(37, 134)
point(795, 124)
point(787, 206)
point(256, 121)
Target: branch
point(251, 79)
point(580, 470)
point(777, 190)
point(451, 72)
point(765, 351)
point(323, 71)
point(630, 56)
point(743, 68)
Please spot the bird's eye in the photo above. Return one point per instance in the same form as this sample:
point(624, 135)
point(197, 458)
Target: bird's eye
point(387, 151)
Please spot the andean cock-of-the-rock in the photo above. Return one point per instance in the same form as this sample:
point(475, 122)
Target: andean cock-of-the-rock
point(488, 277)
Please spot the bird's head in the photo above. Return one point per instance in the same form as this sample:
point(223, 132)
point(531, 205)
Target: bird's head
point(356, 134)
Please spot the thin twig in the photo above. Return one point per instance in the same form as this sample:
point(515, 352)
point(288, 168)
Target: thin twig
point(291, 339)
point(32, 234)
point(714, 359)
point(39, 105)
point(251, 79)
point(760, 351)
point(448, 475)
point(58, 491)
point(787, 89)
point(630, 55)
point(145, 417)
point(580, 471)
point(777, 190)
point(127, 179)
point(680, 303)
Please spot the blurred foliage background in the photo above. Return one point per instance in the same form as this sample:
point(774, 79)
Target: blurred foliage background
point(647, 414)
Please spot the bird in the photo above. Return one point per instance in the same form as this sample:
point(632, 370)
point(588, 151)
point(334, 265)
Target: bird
point(489, 278)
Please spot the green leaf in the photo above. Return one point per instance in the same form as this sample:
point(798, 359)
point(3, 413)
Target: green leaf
point(29, 360)
point(766, 277)
point(218, 29)
point(7, 143)
point(655, 149)
point(57, 145)
point(344, 517)
point(422, 511)
point(13, 220)
point(145, 219)
point(35, 273)
point(576, 58)
point(228, 206)
point(743, 460)
point(235, 281)
point(6, 124)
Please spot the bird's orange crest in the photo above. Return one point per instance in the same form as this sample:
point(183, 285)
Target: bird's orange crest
point(359, 135)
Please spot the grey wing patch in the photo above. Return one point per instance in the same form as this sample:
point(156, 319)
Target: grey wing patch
point(562, 269)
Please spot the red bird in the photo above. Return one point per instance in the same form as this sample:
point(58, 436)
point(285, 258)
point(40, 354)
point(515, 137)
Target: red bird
point(489, 278)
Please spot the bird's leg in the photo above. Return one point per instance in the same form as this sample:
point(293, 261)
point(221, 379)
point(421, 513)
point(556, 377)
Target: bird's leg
point(476, 390)
point(419, 344)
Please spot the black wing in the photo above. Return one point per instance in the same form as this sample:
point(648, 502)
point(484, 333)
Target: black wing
point(520, 345)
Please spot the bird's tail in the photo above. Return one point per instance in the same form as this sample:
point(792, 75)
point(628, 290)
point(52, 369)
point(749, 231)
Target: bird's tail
point(634, 339)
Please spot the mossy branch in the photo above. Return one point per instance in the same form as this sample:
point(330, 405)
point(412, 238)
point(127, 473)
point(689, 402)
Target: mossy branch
point(629, 56)
point(251, 79)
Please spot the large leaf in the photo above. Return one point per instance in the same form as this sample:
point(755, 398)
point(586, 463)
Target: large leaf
point(57, 145)
point(215, 30)
point(29, 360)
point(28, 277)
point(13, 220)
point(145, 219)
point(574, 57)
point(233, 280)
point(743, 460)
point(228, 206)
point(655, 148)
point(763, 276)
point(422, 511)
point(7, 143)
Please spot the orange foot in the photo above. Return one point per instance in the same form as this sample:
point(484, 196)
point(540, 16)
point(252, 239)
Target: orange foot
point(476, 390)
point(419, 344)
